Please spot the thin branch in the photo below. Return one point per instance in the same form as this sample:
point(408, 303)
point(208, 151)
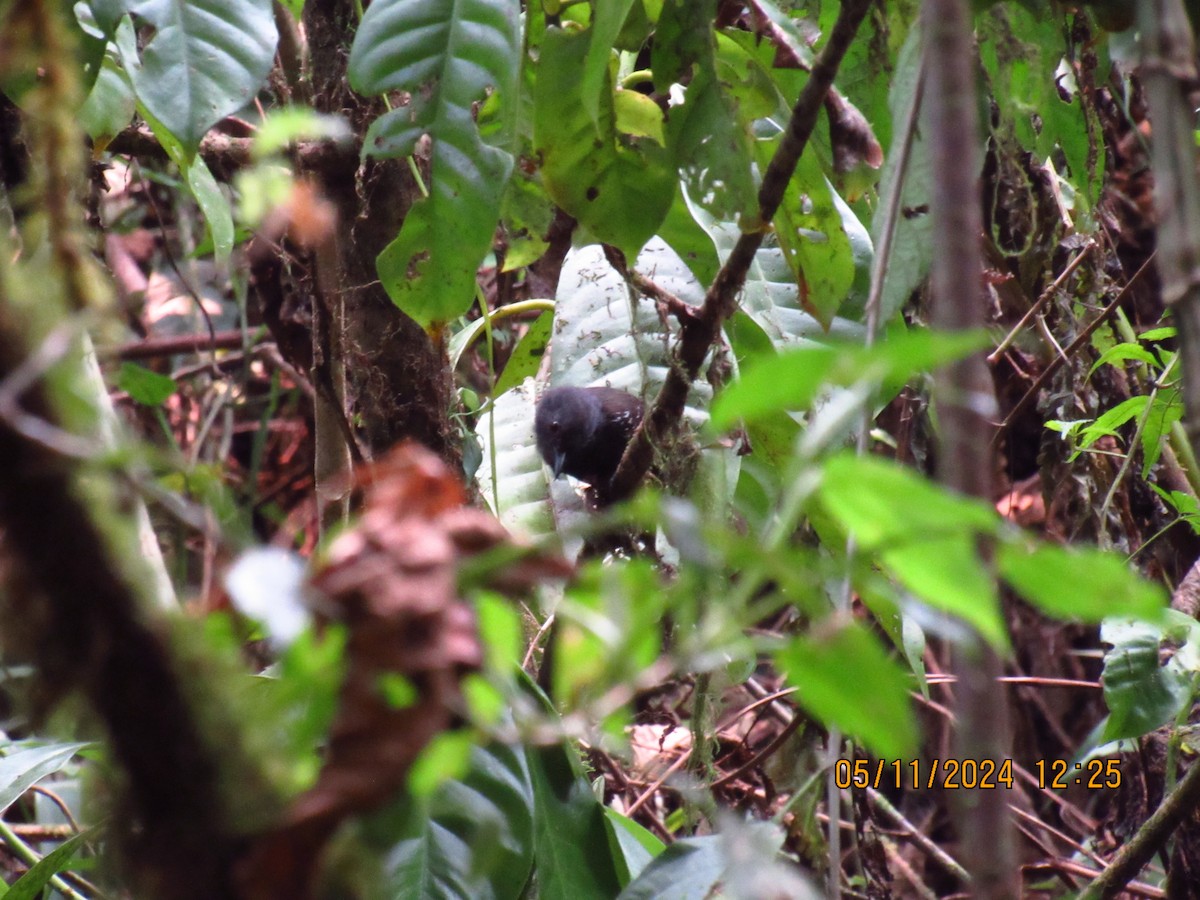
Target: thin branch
point(698, 334)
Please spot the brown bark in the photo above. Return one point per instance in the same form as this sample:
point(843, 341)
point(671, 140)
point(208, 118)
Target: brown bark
point(966, 404)
point(400, 378)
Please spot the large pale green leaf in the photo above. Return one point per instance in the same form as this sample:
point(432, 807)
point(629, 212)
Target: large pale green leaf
point(845, 678)
point(619, 188)
point(205, 60)
point(474, 839)
point(458, 59)
point(30, 885)
point(601, 336)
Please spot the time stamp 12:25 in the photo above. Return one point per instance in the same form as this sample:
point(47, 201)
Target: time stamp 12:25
point(971, 774)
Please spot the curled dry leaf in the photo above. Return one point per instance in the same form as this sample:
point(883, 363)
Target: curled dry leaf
point(393, 582)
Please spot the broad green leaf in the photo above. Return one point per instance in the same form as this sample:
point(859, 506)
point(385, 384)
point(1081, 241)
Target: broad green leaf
point(30, 885)
point(713, 150)
point(619, 188)
point(947, 573)
point(683, 37)
point(458, 59)
point(144, 386)
point(445, 757)
point(884, 503)
point(572, 852)
point(912, 244)
point(1082, 584)
point(606, 25)
point(1022, 51)
point(808, 226)
point(473, 838)
point(286, 125)
point(200, 183)
point(1107, 424)
point(872, 705)
point(633, 847)
point(205, 60)
point(639, 116)
point(1165, 410)
point(1122, 352)
point(1140, 692)
point(689, 868)
point(109, 106)
point(793, 379)
point(21, 770)
point(525, 358)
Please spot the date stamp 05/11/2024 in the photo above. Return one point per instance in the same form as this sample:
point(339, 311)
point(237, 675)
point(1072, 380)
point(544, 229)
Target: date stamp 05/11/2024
point(971, 774)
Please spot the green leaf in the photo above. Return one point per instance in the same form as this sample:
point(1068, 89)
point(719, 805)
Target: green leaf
point(205, 60)
point(884, 503)
point(109, 106)
point(947, 573)
point(1107, 424)
point(445, 757)
point(451, 56)
point(1121, 352)
point(606, 25)
point(473, 838)
point(200, 184)
point(21, 770)
point(632, 845)
point(639, 116)
point(144, 386)
point(808, 225)
point(570, 832)
point(619, 188)
point(688, 868)
point(793, 379)
point(523, 362)
point(286, 125)
point(713, 149)
point(912, 244)
point(30, 885)
point(683, 36)
point(873, 705)
point(1140, 692)
point(1086, 585)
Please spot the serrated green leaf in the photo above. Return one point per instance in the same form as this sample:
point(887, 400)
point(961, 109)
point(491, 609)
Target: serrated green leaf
point(873, 705)
point(1083, 584)
point(204, 61)
point(619, 189)
point(452, 56)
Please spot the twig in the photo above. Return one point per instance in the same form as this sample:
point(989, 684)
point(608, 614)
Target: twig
point(698, 333)
point(1085, 335)
point(1138, 851)
point(1049, 292)
point(153, 347)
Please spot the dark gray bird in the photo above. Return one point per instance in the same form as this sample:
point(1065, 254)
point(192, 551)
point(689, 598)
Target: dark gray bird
point(583, 431)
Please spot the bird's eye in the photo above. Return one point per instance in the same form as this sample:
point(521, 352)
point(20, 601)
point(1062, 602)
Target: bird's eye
point(554, 427)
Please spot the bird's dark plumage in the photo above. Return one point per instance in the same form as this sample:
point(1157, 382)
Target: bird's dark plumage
point(583, 431)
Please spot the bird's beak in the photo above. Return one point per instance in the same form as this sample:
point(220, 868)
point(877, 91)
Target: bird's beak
point(560, 459)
